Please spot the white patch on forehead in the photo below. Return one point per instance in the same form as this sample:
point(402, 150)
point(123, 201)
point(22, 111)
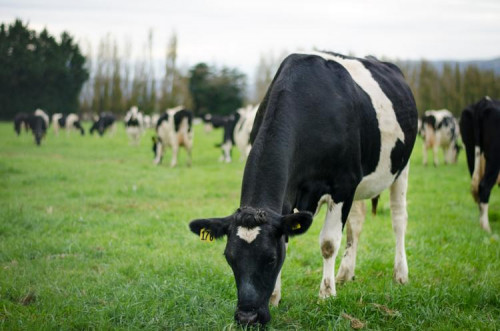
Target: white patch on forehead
point(247, 234)
point(390, 130)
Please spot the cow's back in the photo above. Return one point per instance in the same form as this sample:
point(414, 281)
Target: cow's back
point(340, 119)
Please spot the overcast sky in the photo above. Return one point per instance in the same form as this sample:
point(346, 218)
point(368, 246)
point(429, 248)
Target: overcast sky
point(236, 33)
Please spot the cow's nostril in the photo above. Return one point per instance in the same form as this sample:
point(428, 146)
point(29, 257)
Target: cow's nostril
point(244, 317)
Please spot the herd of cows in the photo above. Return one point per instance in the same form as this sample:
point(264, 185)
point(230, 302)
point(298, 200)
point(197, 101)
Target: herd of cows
point(332, 129)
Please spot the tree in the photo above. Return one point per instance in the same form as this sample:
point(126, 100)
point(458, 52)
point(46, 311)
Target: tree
point(37, 71)
point(216, 91)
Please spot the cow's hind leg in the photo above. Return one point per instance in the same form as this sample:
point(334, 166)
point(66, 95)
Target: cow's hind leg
point(354, 225)
point(487, 182)
point(329, 239)
point(399, 220)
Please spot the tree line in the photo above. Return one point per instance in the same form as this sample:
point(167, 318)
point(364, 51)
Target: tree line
point(39, 71)
point(117, 82)
point(450, 86)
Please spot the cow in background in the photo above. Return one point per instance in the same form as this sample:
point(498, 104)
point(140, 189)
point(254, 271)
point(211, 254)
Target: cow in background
point(43, 115)
point(214, 121)
point(21, 120)
point(228, 136)
point(439, 129)
point(104, 121)
point(68, 122)
point(243, 129)
point(133, 125)
point(332, 130)
point(38, 126)
point(174, 129)
point(480, 129)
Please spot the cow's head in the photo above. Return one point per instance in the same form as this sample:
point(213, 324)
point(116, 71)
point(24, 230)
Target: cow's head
point(255, 250)
point(157, 149)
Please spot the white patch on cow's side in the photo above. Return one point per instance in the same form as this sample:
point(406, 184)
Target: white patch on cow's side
point(248, 234)
point(390, 130)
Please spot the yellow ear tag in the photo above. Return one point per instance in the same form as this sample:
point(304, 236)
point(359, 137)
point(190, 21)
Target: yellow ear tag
point(206, 236)
point(296, 226)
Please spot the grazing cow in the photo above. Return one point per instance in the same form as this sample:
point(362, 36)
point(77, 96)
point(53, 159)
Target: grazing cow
point(44, 116)
point(215, 121)
point(440, 129)
point(67, 121)
point(38, 125)
point(133, 124)
point(331, 129)
point(104, 121)
point(479, 126)
point(174, 129)
point(237, 132)
point(21, 120)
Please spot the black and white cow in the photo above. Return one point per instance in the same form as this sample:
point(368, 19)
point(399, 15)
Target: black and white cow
point(440, 129)
point(480, 129)
point(38, 126)
point(215, 121)
point(332, 130)
point(237, 132)
point(21, 120)
point(134, 124)
point(43, 115)
point(106, 120)
point(66, 121)
point(174, 129)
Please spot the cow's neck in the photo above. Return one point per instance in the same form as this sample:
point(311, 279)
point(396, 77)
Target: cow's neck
point(266, 174)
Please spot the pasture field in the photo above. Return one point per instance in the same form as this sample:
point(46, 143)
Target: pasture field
point(93, 236)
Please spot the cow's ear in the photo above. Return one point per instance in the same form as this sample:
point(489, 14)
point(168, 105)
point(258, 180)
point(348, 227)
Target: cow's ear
point(296, 223)
point(217, 227)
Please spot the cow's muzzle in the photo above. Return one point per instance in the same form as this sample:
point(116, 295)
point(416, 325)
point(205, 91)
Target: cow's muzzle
point(261, 316)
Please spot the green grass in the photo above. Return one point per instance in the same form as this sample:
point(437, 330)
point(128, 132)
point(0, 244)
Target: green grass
point(93, 236)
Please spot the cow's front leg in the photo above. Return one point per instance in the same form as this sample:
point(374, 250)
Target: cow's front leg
point(424, 154)
point(354, 226)
point(329, 239)
point(276, 295)
point(435, 152)
point(399, 217)
point(175, 151)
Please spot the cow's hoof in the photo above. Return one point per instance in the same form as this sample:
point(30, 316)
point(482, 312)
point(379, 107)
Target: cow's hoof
point(275, 298)
point(343, 278)
point(400, 278)
point(327, 289)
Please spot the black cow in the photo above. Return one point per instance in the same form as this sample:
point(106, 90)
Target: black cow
point(104, 121)
point(228, 136)
point(480, 129)
point(331, 129)
point(214, 121)
point(21, 120)
point(38, 125)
